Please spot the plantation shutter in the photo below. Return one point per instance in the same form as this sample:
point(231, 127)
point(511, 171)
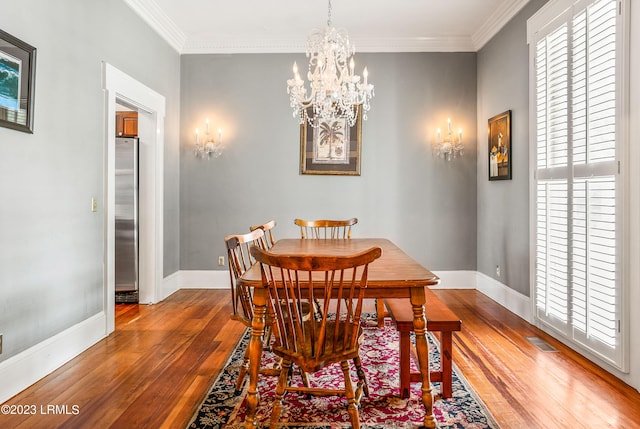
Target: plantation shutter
point(577, 183)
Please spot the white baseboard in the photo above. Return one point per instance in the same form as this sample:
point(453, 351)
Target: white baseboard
point(170, 285)
point(502, 294)
point(194, 279)
point(497, 291)
point(22, 370)
point(456, 280)
point(203, 279)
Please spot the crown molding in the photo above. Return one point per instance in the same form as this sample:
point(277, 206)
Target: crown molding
point(498, 19)
point(363, 44)
point(153, 15)
point(414, 44)
point(247, 45)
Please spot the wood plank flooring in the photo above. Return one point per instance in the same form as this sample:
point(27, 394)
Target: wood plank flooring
point(528, 388)
point(158, 365)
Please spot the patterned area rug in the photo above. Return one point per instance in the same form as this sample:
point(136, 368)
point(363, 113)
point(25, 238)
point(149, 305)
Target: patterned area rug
point(222, 408)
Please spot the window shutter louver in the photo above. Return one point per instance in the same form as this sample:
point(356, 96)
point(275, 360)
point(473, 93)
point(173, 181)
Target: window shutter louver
point(577, 245)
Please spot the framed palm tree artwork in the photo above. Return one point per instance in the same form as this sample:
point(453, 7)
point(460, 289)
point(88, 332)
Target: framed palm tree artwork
point(331, 148)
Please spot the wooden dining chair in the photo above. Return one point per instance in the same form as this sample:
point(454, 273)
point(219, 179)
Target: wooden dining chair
point(269, 239)
point(240, 260)
point(325, 228)
point(338, 282)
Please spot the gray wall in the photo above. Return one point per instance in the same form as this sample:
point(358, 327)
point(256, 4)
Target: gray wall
point(425, 205)
point(503, 206)
point(51, 244)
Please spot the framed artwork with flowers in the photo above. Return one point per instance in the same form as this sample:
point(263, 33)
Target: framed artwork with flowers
point(499, 130)
point(332, 148)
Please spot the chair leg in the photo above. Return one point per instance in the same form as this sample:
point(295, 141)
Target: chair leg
point(318, 307)
point(304, 377)
point(381, 312)
point(243, 371)
point(362, 378)
point(280, 389)
point(266, 343)
point(244, 368)
point(352, 406)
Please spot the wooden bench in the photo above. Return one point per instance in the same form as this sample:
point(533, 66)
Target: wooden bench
point(439, 319)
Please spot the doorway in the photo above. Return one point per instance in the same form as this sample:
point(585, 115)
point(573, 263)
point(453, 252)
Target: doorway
point(121, 88)
point(126, 209)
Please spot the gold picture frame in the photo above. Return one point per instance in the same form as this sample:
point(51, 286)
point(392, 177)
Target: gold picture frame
point(331, 148)
point(499, 130)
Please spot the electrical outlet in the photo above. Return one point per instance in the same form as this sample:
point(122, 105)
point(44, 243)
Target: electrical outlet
point(498, 270)
point(221, 260)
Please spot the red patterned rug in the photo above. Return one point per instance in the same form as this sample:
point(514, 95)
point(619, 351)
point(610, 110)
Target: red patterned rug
point(383, 408)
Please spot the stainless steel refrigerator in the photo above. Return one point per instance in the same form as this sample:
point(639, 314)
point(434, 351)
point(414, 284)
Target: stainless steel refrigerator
point(126, 218)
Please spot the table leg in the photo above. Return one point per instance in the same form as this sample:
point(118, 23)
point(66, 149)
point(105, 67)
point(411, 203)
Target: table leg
point(381, 312)
point(422, 349)
point(255, 353)
point(405, 364)
point(446, 361)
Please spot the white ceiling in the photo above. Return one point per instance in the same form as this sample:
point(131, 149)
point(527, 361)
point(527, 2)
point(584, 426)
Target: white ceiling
point(257, 26)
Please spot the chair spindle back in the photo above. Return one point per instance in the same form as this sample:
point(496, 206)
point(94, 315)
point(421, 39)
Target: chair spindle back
point(337, 282)
point(326, 228)
point(240, 260)
point(269, 239)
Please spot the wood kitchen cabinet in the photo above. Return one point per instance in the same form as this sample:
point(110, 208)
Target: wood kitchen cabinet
point(126, 124)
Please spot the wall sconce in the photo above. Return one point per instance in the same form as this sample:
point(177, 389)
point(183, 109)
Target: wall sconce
point(208, 146)
point(450, 146)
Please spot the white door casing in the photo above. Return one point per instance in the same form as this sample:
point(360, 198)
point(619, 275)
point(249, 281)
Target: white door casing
point(151, 112)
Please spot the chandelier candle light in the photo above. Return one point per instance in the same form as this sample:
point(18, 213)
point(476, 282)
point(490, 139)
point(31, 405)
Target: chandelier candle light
point(209, 147)
point(450, 147)
point(336, 91)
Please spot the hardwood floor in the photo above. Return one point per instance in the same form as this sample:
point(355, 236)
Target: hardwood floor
point(155, 369)
point(152, 372)
point(528, 388)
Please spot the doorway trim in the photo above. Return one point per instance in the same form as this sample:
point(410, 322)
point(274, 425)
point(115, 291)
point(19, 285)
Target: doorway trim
point(151, 113)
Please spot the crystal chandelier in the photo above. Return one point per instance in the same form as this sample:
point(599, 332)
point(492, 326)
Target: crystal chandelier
point(208, 146)
point(450, 146)
point(336, 91)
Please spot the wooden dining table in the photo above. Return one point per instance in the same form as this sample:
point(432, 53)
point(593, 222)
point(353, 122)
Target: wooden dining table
point(394, 275)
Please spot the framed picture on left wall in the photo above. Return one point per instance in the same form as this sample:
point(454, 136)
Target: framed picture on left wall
point(17, 81)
